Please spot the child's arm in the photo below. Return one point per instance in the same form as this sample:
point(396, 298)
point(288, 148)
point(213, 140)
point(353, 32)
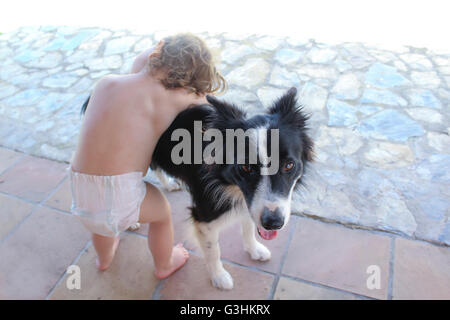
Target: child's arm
point(141, 61)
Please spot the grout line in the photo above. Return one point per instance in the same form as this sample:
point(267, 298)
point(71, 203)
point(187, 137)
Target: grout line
point(250, 268)
point(283, 259)
point(88, 244)
point(17, 226)
point(56, 209)
point(391, 269)
point(319, 285)
point(13, 164)
point(55, 189)
point(19, 198)
point(354, 227)
point(134, 233)
point(30, 154)
point(156, 295)
point(37, 205)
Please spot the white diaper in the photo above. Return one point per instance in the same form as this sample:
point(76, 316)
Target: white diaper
point(107, 205)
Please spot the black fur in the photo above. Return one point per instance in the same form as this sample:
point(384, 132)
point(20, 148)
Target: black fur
point(207, 182)
point(85, 104)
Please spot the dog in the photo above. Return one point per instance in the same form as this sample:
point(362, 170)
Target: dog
point(237, 190)
point(224, 191)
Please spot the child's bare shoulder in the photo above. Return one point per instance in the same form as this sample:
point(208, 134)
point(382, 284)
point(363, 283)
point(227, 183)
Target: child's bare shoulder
point(109, 84)
point(111, 90)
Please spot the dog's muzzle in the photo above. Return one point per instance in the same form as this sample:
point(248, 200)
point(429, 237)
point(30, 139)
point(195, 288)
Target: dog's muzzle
point(272, 220)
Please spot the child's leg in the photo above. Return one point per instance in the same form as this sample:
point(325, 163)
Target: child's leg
point(155, 210)
point(106, 248)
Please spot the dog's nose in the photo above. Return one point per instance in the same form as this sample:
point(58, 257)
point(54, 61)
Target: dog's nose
point(272, 220)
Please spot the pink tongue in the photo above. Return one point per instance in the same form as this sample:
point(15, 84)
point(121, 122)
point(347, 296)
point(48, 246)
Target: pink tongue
point(267, 234)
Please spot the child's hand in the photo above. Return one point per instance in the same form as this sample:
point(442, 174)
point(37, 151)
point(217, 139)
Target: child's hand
point(141, 61)
point(200, 99)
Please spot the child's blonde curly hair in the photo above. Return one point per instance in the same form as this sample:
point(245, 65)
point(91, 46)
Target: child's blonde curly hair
point(187, 63)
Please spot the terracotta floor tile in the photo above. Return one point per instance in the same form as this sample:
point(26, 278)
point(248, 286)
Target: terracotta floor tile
point(38, 253)
point(421, 271)
point(232, 248)
point(338, 257)
point(62, 198)
point(192, 282)
point(12, 212)
point(32, 178)
point(289, 289)
point(130, 275)
point(8, 157)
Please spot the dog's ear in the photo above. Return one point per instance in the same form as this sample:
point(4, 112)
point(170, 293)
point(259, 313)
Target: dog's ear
point(289, 111)
point(308, 148)
point(226, 110)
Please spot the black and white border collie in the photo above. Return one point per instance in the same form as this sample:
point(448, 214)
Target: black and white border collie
point(222, 193)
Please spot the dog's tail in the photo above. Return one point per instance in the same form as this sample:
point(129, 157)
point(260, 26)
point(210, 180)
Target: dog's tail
point(84, 107)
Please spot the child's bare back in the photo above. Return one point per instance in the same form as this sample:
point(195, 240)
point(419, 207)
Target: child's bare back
point(124, 119)
point(126, 116)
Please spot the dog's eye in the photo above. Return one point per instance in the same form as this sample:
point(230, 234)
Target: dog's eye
point(288, 166)
point(246, 169)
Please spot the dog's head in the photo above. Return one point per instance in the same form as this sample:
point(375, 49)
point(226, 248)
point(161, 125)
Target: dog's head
point(282, 148)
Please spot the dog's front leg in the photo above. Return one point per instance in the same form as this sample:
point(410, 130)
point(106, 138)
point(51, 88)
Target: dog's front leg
point(256, 249)
point(208, 238)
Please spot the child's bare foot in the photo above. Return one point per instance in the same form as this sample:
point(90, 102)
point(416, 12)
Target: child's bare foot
point(105, 262)
point(179, 258)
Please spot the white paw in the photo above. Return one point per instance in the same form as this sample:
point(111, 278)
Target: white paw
point(259, 252)
point(172, 185)
point(222, 280)
point(134, 227)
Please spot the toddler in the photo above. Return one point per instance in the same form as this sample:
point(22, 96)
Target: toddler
point(124, 119)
